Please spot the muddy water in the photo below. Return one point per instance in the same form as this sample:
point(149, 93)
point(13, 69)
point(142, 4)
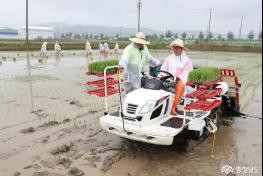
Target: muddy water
point(44, 107)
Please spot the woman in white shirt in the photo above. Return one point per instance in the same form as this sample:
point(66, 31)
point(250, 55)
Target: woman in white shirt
point(179, 65)
point(43, 50)
point(57, 49)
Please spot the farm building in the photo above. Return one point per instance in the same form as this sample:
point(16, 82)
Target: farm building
point(8, 33)
point(37, 33)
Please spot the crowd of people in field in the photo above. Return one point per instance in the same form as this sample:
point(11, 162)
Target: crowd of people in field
point(103, 48)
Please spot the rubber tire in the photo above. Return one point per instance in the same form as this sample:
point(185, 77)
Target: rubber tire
point(190, 145)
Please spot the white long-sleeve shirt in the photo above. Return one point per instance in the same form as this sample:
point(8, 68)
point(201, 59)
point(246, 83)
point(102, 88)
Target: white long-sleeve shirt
point(44, 48)
point(179, 66)
point(88, 47)
point(57, 48)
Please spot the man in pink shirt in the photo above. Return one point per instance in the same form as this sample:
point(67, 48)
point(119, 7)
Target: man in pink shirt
point(179, 65)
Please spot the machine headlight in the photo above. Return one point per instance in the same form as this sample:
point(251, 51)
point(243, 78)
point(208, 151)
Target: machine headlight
point(149, 106)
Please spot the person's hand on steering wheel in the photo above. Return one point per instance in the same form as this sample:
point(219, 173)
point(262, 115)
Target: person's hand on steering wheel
point(164, 78)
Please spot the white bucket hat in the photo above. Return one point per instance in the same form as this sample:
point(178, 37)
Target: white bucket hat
point(177, 42)
point(140, 39)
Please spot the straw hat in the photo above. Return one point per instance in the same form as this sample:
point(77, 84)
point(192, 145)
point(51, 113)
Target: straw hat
point(177, 42)
point(140, 39)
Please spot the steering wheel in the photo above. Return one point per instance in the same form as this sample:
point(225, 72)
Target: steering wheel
point(164, 78)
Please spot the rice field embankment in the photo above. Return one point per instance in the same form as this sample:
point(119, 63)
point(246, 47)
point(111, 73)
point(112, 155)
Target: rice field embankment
point(80, 45)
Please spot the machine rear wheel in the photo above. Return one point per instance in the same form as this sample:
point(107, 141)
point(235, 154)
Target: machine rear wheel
point(190, 145)
point(185, 144)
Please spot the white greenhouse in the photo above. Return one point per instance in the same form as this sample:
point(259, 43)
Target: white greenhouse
point(37, 33)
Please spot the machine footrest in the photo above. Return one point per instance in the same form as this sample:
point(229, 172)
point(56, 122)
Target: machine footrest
point(175, 122)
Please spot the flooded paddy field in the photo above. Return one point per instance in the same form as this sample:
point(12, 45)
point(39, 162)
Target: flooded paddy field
point(49, 126)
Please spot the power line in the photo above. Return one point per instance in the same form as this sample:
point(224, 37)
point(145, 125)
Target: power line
point(192, 9)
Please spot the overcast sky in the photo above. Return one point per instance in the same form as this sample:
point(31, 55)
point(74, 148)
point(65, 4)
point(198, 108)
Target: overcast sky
point(156, 14)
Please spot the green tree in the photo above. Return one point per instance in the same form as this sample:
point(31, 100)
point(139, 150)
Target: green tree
point(63, 35)
point(101, 36)
point(201, 36)
point(153, 37)
point(219, 37)
point(251, 35)
point(230, 36)
point(209, 36)
point(91, 36)
point(76, 36)
point(176, 36)
point(169, 34)
point(184, 35)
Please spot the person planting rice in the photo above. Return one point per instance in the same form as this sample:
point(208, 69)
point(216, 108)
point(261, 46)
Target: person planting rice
point(88, 48)
point(180, 66)
point(101, 48)
point(105, 49)
point(43, 50)
point(117, 49)
point(57, 48)
point(133, 59)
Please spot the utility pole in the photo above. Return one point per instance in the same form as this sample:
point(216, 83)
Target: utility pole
point(260, 28)
point(139, 6)
point(209, 24)
point(240, 29)
point(27, 22)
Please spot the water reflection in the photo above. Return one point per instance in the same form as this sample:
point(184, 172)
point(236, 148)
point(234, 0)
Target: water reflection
point(58, 59)
point(89, 59)
point(30, 83)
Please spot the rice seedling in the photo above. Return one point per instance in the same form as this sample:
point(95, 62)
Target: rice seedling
point(205, 74)
point(99, 66)
point(40, 61)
